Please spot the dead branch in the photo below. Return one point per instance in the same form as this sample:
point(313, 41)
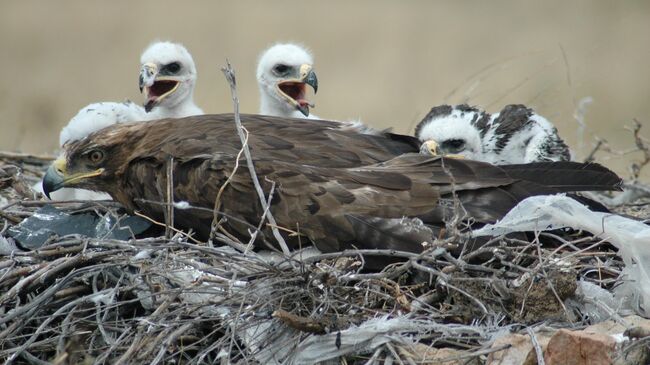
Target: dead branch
point(303, 324)
point(229, 72)
point(640, 143)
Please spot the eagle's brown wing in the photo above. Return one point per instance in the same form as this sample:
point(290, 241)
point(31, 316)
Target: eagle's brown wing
point(338, 207)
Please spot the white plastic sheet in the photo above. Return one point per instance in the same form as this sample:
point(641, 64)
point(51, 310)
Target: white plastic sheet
point(631, 238)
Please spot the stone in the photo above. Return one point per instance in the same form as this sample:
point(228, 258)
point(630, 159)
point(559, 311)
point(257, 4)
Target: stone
point(521, 350)
point(579, 348)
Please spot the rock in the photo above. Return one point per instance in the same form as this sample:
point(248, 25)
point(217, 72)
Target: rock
point(579, 348)
point(602, 343)
point(635, 327)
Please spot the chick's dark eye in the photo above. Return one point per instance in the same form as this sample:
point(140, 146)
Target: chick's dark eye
point(281, 69)
point(173, 67)
point(454, 144)
point(95, 156)
point(457, 143)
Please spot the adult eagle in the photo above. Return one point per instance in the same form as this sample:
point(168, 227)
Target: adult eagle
point(338, 188)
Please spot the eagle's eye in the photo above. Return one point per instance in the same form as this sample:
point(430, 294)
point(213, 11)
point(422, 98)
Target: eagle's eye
point(453, 145)
point(173, 67)
point(280, 69)
point(95, 156)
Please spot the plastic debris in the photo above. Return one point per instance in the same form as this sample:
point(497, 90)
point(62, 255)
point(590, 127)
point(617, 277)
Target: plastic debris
point(33, 232)
point(630, 237)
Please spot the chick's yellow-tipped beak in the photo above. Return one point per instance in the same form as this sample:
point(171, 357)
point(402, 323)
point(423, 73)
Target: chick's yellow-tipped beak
point(155, 86)
point(57, 176)
point(308, 76)
point(151, 67)
point(429, 148)
point(148, 74)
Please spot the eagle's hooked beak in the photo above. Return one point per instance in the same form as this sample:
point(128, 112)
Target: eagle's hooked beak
point(294, 89)
point(57, 176)
point(155, 87)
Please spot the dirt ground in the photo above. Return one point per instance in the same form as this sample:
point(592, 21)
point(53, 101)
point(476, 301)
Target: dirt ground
point(386, 62)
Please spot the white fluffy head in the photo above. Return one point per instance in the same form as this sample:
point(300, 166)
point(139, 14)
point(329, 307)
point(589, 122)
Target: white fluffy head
point(94, 117)
point(283, 71)
point(167, 79)
point(287, 53)
point(453, 132)
point(163, 52)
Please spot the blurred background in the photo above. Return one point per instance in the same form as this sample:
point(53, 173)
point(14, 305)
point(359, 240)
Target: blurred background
point(386, 62)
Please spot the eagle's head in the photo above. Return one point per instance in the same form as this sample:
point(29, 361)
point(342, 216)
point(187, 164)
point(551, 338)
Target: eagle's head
point(167, 75)
point(283, 73)
point(92, 162)
point(450, 133)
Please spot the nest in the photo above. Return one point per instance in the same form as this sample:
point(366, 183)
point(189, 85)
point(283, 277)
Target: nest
point(171, 299)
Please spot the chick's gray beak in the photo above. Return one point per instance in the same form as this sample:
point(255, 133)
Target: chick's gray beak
point(312, 80)
point(308, 76)
point(304, 109)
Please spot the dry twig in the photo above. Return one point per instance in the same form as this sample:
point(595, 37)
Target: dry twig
point(229, 72)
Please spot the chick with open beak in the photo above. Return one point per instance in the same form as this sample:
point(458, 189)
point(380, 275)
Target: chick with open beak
point(283, 73)
point(294, 90)
point(167, 79)
point(157, 84)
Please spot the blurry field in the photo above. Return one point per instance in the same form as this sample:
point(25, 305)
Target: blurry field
point(386, 62)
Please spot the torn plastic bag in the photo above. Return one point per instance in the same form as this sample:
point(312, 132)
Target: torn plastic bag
point(630, 237)
point(48, 221)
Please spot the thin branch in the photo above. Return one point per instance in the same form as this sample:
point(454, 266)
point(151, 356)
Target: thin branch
point(592, 155)
point(169, 221)
point(216, 222)
point(643, 147)
point(229, 72)
point(538, 348)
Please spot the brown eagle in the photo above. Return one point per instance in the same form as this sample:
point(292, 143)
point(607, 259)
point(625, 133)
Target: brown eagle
point(336, 187)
